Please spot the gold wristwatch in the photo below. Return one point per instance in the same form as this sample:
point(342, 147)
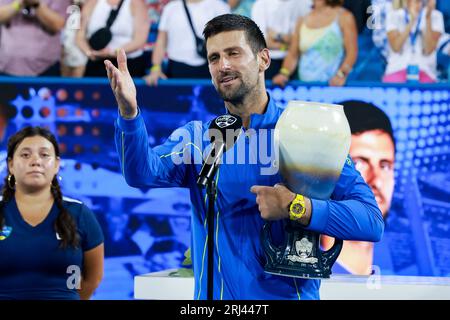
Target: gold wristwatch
point(297, 207)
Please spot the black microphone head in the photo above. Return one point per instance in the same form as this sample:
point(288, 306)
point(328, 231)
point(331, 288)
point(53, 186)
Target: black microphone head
point(225, 128)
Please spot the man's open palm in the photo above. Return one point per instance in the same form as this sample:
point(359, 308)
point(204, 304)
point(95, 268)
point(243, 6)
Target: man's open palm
point(122, 85)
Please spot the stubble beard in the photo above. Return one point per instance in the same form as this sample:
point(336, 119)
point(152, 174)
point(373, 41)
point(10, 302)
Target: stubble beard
point(237, 96)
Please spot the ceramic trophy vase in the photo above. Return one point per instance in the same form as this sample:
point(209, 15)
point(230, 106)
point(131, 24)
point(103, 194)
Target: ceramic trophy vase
point(313, 141)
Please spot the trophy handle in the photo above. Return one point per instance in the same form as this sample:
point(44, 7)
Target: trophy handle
point(330, 256)
point(266, 240)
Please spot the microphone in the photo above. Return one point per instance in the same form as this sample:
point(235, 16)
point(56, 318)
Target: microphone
point(222, 134)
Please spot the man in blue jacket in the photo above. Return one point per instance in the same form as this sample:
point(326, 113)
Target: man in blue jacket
point(237, 58)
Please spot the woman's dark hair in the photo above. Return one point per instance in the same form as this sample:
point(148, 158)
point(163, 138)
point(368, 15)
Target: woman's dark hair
point(334, 3)
point(235, 22)
point(65, 224)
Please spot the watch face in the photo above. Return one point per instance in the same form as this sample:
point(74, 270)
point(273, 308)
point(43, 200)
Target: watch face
point(297, 208)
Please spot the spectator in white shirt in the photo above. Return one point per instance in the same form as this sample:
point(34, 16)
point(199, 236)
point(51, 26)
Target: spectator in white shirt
point(176, 40)
point(413, 35)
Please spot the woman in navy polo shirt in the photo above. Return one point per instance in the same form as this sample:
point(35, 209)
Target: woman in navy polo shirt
point(51, 247)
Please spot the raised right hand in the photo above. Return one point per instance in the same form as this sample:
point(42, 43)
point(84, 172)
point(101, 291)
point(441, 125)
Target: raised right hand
point(122, 85)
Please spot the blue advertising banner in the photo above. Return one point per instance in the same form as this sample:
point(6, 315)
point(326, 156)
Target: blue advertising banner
point(148, 230)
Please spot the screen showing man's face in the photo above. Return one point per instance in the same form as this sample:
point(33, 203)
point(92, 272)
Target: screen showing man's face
point(373, 153)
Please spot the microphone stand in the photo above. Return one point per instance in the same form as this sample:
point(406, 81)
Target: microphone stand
point(211, 191)
point(206, 178)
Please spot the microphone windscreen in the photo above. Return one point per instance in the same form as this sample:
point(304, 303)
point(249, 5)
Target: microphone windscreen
point(225, 128)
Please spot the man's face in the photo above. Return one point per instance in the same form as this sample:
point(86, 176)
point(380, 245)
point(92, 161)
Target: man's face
point(234, 68)
point(374, 154)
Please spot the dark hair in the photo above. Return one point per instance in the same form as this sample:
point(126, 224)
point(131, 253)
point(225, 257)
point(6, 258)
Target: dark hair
point(363, 116)
point(334, 3)
point(65, 224)
point(235, 22)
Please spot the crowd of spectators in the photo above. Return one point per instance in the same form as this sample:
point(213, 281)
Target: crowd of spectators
point(309, 40)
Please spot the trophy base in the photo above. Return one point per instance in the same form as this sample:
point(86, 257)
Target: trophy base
point(296, 273)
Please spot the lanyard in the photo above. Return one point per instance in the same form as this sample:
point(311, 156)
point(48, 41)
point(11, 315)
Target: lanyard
point(413, 35)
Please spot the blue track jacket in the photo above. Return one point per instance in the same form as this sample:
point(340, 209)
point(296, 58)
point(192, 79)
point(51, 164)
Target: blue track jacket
point(351, 213)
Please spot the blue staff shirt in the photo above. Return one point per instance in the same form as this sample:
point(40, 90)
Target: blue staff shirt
point(32, 266)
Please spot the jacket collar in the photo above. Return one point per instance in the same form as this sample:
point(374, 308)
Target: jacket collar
point(268, 119)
